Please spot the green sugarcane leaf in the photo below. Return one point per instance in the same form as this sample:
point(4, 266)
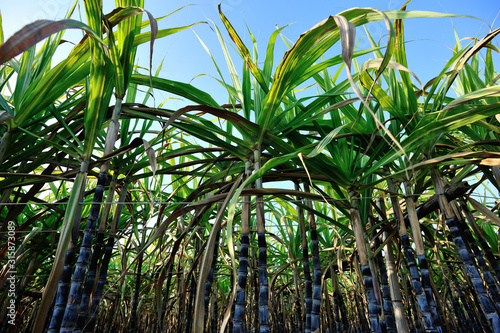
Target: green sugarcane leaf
point(26, 239)
point(179, 88)
point(268, 62)
point(117, 65)
point(52, 143)
point(244, 51)
point(6, 107)
point(48, 89)
point(24, 76)
point(146, 36)
point(325, 142)
point(493, 91)
point(385, 100)
point(119, 15)
point(56, 113)
point(230, 65)
point(272, 163)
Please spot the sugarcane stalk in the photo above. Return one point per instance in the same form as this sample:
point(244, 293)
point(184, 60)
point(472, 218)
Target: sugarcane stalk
point(457, 316)
point(62, 291)
point(307, 270)
point(70, 314)
point(215, 311)
point(476, 321)
point(135, 302)
point(192, 293)
point(263, 283)
point(65, 280)
point(329, 310)
point(395, 292)
point(338, 303)
point(181, 285)
point(390, 324)
point(58, 266)
point(298, 307)
point(471, 244)
point(166, 294)
point(357, 227)
point(423, 304)
point(210, 278)
point(83, 311)
point(412, 304)
point(316, 303)
point(261, 240)
point(240, 304)
point(255, 284)
point(465, 254)
point(103, 271)
point(425, 274)
point(480, 237)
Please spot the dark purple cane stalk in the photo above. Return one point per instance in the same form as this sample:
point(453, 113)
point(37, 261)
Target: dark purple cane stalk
point(425, 275)
point(83, 311)
point(316, 303)
point(263, 284)
point(395, 300)
point(103, 274)
point(427, 317)
point(135, 303)
point(388, 324)
point(261, 240)
point(189, 308)
point(308, 294)
point(71, 312)
point(468, 259)
point(255, 284)
point(373, 307)
point(240, 304)
point(337, 299)
point(62, 291)
point(210, 278)
point(103, 270)
point(166, 294)
point(65, 280)
point(239, 310)
point(481, 240)
point(465, 254)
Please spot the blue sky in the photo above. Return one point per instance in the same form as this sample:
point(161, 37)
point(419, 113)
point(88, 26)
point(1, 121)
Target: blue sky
point(430, 46)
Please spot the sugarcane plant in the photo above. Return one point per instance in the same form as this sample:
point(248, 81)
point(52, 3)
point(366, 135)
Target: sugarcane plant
point(170, 220)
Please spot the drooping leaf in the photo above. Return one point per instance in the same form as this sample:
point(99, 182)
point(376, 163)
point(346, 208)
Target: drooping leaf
point(34, 32)
point(151, 155)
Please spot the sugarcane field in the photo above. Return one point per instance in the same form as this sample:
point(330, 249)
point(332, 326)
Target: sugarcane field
point(249, 166)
